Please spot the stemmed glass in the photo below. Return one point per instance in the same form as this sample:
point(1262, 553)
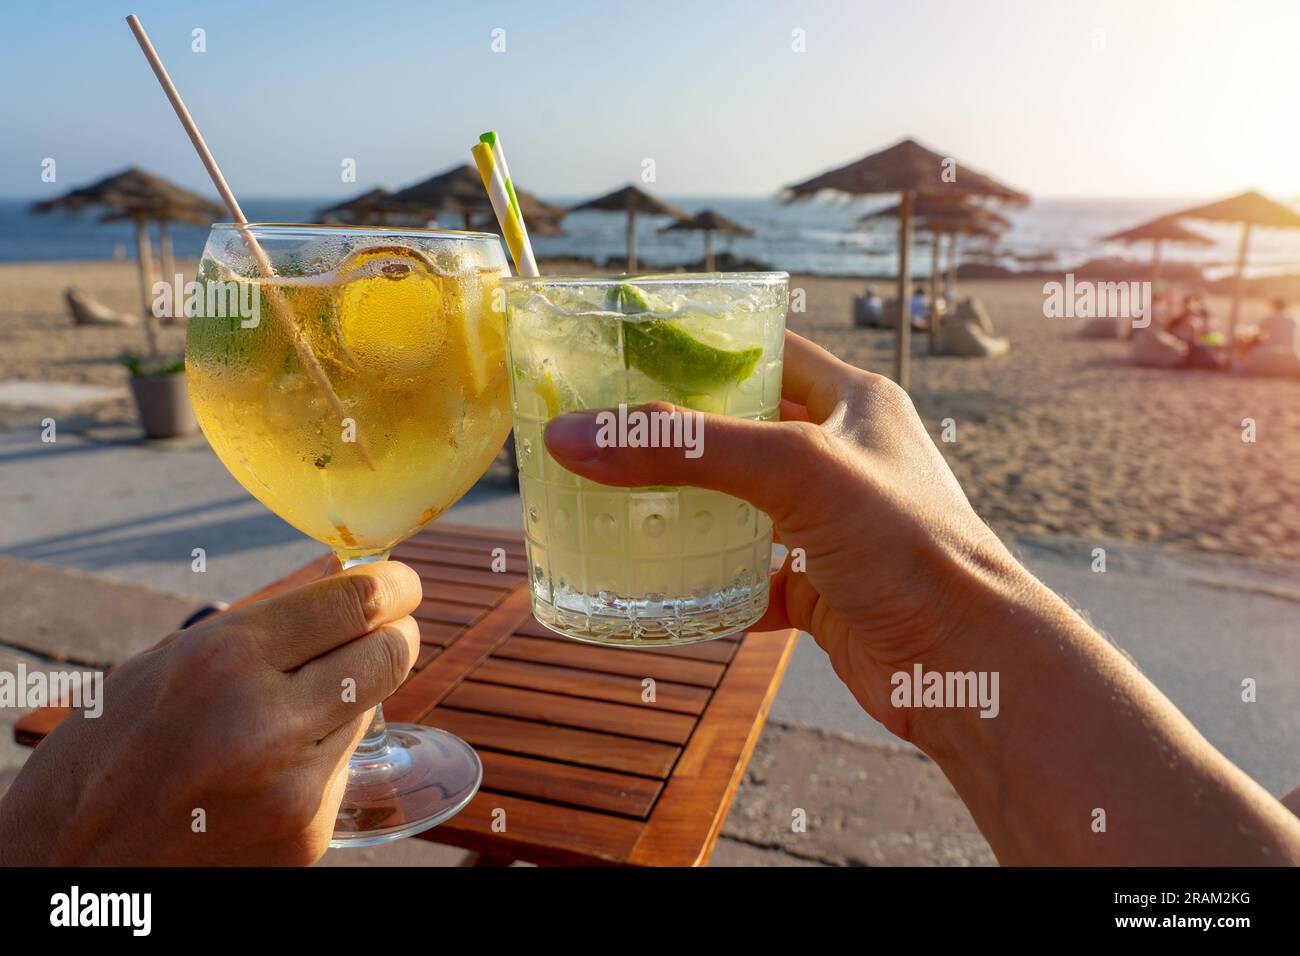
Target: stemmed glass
point(357, 391)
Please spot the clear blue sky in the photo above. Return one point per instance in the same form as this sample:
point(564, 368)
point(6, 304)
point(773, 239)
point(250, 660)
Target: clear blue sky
point(1060, 98)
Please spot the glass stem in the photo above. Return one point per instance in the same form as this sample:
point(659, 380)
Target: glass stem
point(375, 742)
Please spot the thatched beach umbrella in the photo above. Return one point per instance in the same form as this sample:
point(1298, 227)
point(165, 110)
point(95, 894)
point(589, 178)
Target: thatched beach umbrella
point(912, 171)
point(140, 197)
point(1250, 209)
point(631, 200)
point(1157, 231)
point(709, 221)
point(942, 217)
point(359, 210)
point(459, 189)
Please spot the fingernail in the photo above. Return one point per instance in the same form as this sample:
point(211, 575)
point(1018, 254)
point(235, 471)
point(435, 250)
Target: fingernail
point(572, 437)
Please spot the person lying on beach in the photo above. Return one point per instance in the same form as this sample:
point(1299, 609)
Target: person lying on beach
point(1085, 762)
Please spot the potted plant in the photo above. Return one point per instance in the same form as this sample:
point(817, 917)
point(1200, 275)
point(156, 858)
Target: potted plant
point(161, 396)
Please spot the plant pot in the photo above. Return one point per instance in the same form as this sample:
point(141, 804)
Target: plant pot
point(164, 406)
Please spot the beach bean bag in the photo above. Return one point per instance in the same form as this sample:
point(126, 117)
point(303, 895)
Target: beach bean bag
point(969, 340)
point(1156, 348)
point(86, 310)
point(862, 318)
point(889, 315)
point(1271, 361)
point(1099, 329)
point(971, 312)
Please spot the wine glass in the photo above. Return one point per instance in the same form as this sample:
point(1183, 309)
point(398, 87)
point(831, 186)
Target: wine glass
point(358, 390)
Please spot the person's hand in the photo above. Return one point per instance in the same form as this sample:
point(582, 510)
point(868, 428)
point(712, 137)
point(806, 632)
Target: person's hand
point(901, 572)
point(243, 716)
point(894, 553)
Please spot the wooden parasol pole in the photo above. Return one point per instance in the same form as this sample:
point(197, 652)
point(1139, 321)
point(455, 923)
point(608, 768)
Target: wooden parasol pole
point(1239, 286)
point(708, 251)
point(145, 257)
point(934, 291)
point(631, 237)
point(903, 339)
point(165, 251)
point(952, 266)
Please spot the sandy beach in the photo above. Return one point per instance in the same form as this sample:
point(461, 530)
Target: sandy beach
point(1061, 437)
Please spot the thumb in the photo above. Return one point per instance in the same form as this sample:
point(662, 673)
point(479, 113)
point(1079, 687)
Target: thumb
point(764, 463)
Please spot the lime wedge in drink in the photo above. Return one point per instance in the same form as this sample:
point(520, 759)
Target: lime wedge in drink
point(668, 353)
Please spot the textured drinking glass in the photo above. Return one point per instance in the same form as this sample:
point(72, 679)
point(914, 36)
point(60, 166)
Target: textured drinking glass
point(646, 566)
point(357, 393)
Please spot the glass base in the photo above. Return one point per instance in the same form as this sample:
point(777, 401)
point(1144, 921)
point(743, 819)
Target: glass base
point(420, 777)
point(667, 622)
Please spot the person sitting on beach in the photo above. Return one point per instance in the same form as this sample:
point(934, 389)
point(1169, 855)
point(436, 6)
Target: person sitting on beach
point(895, 572)
point(1190, 322)
point(920, 308)
point(1192, 326)
point(874, 306)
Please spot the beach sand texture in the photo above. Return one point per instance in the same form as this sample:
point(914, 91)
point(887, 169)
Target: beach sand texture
point(1062, 436)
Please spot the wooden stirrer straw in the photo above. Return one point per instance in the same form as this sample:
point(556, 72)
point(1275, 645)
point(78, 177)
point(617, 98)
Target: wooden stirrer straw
point(279, 307)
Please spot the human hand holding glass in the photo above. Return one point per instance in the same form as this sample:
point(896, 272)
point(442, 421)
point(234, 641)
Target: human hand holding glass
point(412, 354)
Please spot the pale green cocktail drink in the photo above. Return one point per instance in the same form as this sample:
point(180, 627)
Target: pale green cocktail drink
point(655, 565)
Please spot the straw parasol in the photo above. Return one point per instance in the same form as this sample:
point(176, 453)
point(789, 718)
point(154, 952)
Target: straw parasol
point(709, 221)
point(912, 171)
point(140, 197)
point(459, 189)
point(358, 210)
point(944, 216)
point(1157, 231)
point(631, 200)
point(1250, 209)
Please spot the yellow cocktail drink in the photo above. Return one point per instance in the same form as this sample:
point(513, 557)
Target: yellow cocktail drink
point(416, 356)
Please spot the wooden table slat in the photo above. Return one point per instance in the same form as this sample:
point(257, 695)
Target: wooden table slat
point(612, 660)
point(482, 576)
point(616, 688)
point(540, 832)
point(629, 720)
point(447, 612)
point(31, 728)
point(438, 632)
point(468, 594)
point(564, 783)
point(584, 747)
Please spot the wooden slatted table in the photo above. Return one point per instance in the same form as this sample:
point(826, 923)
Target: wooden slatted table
point(576, 765)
